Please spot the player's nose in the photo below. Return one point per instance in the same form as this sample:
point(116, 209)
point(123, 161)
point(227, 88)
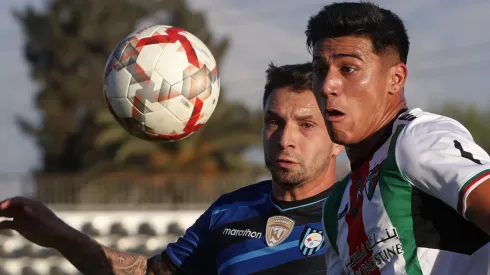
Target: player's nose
point(331, 84)
point(287, 137)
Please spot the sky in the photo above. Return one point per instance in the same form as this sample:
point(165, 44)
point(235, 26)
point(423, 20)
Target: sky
point(448, 59)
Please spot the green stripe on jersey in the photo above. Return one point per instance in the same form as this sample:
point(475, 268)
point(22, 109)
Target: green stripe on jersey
point(396, 193)
point(464, 189)
point(330, 210)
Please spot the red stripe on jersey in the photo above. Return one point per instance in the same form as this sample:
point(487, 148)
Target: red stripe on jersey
point(470, 184)
point(467, 187)
point(360, 257)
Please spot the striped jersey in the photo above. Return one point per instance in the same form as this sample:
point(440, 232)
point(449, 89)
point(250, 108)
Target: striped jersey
point(249, 232)
point(403, 210)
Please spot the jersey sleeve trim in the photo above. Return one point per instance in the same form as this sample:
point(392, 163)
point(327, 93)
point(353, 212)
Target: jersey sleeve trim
point(468, 187)
point(173, 266)
point(173, 260)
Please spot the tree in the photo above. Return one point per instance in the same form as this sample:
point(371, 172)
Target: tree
point(216, 147)
point(67, 46)
point(475, 120)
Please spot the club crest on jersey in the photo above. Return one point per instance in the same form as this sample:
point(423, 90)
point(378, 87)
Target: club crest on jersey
point(371, 182)
point(278, 229)
point(311, 241)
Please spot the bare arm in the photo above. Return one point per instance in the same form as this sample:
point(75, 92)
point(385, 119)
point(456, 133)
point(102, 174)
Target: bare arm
point(38, 224)
point(478, 206)
point(90, 257)
point(125, 263)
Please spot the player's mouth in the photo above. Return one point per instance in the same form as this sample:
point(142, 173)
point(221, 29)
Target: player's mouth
point(334, 115)
point(286, 162)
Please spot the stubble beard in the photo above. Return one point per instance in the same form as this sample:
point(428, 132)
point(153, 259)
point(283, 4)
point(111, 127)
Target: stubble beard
point(288, 179)
point(297, 176)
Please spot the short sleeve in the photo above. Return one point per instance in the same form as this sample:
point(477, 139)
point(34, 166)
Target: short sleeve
point(438, 155)
point(193, 252)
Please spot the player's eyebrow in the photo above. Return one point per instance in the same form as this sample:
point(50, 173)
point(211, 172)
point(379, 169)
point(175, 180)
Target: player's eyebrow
point(337, 56)
point(341, 55)
point(303, 116)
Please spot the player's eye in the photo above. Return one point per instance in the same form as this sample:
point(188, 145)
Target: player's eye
point(347, 69)
point(307, 125)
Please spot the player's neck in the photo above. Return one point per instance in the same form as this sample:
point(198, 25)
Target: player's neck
point(360, 152)
point(307, 189)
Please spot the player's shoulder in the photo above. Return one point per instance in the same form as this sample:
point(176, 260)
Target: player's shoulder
point(250, 193)
point(332, 203)
point(418, 124)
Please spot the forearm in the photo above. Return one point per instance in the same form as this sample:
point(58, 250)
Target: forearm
point(90, 257)
point(126, 263)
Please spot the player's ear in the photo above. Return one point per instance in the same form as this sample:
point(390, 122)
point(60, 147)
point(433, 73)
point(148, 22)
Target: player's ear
point(337, 149)
point(398, 76)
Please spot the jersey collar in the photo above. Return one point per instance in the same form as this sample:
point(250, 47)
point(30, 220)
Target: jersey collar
point(290, 205)
point(386, 135)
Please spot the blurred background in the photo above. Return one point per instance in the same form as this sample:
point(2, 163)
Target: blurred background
point(59, 145)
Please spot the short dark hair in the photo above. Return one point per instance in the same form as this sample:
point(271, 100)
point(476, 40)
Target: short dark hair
point(385, 29)
point(296, 76)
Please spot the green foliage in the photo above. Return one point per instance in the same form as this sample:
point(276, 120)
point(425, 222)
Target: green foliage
point(66, 47)
point(216, 147)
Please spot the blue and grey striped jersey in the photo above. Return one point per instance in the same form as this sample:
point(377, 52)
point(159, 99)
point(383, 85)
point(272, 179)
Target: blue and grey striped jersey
point(249, 232)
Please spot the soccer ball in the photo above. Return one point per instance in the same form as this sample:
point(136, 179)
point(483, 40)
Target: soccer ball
point(161, 83)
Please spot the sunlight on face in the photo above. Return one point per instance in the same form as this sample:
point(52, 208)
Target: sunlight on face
point(297, 146)
point(352, 84)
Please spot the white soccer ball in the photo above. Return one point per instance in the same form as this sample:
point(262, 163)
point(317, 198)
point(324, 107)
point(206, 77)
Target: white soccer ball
point(161, 83)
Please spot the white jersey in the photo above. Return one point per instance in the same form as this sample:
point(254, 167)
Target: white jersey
point(402, 211)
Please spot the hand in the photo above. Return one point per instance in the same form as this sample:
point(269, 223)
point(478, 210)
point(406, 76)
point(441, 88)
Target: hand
point(34, 221)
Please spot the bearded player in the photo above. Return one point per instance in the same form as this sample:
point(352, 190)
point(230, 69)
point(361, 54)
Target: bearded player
point(272, 227)
point(417, 198)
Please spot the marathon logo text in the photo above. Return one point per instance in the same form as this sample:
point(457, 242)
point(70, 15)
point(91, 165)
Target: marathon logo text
point(242, 233)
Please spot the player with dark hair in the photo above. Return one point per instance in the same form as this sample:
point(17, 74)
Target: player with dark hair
point(271, 227)
point(297, 77)
point(416, 200)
